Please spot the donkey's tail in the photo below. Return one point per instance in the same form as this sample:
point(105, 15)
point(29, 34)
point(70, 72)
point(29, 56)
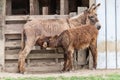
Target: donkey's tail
point(23, 39)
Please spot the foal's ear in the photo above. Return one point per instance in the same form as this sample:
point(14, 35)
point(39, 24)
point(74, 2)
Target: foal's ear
point(91, 7)
point(56, 36)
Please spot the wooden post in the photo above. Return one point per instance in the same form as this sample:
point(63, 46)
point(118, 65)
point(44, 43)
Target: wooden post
point(31, 7)
point(9, 7)
point(45, 10)
point(90, 55)
point(63, 7)
point(2, 14)
point(34, 7)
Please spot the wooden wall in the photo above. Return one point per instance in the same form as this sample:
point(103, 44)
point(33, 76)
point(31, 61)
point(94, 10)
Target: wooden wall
point(2, 16)
point(109, 36)
point(10, 38)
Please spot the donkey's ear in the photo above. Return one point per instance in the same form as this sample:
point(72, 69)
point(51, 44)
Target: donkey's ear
point(86, 11)
point(91, 7)
point(96, 6)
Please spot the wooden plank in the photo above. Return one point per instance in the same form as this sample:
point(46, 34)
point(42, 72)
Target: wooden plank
point(82, 57)
point(12, 37)
point(21, 18)
point(2, 48)
point(12, 52)
point(34, 7)
point(35, 56)
point(64, 7)
point(13, 44)
point(101, 42)
point(13, 28)
point(42, 51)
point(111, 49)
point(9, 7)
point(44, 10)
point(118, 32)
point(40, 69)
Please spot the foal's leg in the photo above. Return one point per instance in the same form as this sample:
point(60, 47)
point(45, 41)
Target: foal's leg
point(70, 58)
point(65, 62)
point(93, 49)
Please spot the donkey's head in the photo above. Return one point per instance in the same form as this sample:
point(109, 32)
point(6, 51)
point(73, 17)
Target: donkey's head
point(91, 16)
point(91, 12)
point(81, 19)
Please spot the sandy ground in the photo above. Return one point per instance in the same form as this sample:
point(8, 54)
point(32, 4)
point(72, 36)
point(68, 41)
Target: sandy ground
point(57, 74)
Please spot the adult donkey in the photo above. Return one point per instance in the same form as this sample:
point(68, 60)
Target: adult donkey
point(39, 29)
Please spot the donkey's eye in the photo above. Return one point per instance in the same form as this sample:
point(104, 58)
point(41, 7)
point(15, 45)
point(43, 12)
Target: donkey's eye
point(91, 16)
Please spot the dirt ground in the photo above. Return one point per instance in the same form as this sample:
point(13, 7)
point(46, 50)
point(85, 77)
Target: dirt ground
point(57, 74)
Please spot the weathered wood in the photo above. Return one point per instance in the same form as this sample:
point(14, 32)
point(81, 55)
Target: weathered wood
point(2, 48)
point(42, 51)
point(13, 44)
point(35, 56)
point(9, 7)
point(34, 7)
point(64, 7)
point(90, 60)
point(13, 28)
point(44, 68)
point(82, 57)
point(24, 18)
point(12, 37)
point(44, 10)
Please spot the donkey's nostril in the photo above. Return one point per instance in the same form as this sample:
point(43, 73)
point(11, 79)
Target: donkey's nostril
point(98, 27)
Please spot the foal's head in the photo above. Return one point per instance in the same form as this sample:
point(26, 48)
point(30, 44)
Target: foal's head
point(91, 13)
point(91, 17)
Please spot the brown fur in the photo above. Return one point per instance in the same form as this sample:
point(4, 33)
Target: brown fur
point(39, 29)
point(75, 39)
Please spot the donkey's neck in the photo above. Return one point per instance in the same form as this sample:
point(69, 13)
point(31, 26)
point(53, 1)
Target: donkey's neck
point(78, 20)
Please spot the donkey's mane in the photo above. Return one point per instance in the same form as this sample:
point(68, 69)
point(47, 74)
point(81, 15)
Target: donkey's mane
point(77, 16)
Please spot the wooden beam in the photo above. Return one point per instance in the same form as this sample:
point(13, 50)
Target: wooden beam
point(63, 7)
point(2, 48)
point(34, 7)
point(9, 7)
point(45, 10)
point(24, 18)
point(35, 56)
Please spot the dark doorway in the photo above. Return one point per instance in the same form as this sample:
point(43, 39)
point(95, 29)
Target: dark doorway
point(20, 7)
